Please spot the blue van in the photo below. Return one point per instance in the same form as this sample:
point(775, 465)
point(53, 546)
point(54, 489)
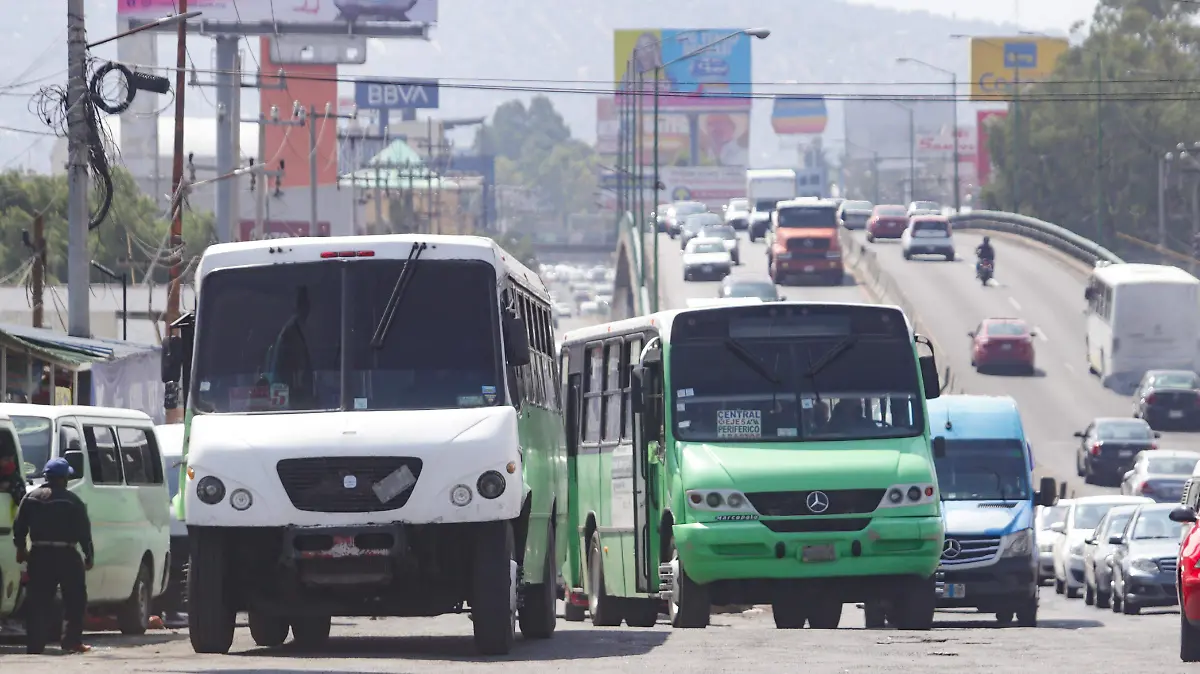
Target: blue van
point(985, 476)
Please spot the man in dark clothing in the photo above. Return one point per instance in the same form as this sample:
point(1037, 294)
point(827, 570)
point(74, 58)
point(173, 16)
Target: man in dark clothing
point(56, 521)
point(985, 250)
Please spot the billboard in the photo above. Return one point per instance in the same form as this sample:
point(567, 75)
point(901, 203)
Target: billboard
point(287, 11)
point(674, 134)
point(799, 115)
point(723, 139)
point(983, 158)
point(713, 185)
point(716, 78)
point(941, 143)
point(395, 94)
point(998, 62)
point(891, 129)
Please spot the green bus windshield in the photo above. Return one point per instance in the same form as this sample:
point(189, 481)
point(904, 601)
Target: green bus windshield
point(756, 374)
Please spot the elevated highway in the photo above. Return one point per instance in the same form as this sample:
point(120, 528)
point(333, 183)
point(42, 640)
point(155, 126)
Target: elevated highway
point(1033, 282)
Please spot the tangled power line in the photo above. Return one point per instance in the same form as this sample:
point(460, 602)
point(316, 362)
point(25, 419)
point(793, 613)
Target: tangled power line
point(51, 104)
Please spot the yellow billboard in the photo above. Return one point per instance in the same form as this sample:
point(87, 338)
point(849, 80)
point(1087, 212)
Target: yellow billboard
point(999, 62)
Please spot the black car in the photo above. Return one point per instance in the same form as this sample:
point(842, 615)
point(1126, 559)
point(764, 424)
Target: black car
point(1168, 397)
point(1108, 446)
point(742, 286)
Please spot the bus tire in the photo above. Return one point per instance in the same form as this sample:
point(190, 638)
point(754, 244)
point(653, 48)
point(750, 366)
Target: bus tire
point(311, 632)
point(493, 595)
point(875, 615)
point(538, 614)
point(641, 612)
point(211, 619)
point(268, 631)
point(789, 613)
point(915, 604)
point(825, 613)
point(605, 609)
point(689, 606)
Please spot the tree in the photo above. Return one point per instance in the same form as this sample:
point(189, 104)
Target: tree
point(520, 247)
point(133, 236)
point(1083, 150)
point(534, 149)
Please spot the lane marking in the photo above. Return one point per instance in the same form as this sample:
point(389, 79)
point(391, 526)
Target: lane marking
point(1070, 367)
point(1040, 335)
point(1013, 301)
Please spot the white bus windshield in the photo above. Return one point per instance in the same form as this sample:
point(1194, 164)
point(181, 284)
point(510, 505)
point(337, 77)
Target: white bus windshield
point(270, 338)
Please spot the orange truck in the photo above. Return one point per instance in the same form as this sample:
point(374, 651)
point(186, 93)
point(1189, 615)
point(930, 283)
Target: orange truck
point(803, 242)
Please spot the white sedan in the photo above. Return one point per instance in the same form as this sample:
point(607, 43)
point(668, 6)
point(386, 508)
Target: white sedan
point(706, 259)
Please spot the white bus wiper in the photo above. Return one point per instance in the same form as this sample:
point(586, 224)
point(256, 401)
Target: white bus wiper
point(402, 281)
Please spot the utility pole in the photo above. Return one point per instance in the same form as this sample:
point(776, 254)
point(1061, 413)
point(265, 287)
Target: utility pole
point(79, 308)
point(311, 120)
point(39, 270)
point(957, 181)
point(173, 413)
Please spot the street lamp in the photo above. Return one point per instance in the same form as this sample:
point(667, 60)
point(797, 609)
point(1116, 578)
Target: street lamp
point(954, 101)
point(760, 33)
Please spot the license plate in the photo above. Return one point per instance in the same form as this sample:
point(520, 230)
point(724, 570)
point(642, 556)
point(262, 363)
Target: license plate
point(956, 590)
point(1006, 347)
point(708, 267)
point(1126, 452)
point(1175, 414)
point(818, 553)
point(808, 267)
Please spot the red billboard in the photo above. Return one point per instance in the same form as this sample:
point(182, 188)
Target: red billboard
point(983, 155)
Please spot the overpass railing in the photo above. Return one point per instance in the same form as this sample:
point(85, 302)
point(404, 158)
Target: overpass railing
point(1052, 235)
point(635, 244)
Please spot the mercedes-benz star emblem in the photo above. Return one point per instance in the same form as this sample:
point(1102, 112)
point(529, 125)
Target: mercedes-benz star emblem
point(951, 549)
point(817, 502)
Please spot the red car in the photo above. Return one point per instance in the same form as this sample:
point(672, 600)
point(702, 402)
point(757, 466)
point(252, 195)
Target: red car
point(887, 222)
point(1187, 584)
point(1002, 343)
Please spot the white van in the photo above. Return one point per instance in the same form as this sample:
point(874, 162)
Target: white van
point(170, 443)
point(12, 488)
point(1141, 317)
point(119, 474)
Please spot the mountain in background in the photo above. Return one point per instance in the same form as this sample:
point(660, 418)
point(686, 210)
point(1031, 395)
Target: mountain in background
point(813, 41)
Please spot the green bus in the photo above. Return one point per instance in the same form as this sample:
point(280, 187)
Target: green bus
point(373, 429)
point(751, 454)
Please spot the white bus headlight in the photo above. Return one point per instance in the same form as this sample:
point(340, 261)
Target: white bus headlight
point(210, 490)
point(460, 495)
point(240, 499)
point(490, 485)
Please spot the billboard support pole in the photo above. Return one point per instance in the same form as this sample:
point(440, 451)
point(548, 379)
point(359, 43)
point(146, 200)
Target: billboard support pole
point(657, 200)
point(639, 145)
point(228, 123)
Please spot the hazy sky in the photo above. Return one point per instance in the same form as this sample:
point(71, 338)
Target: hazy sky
point(1033, 14)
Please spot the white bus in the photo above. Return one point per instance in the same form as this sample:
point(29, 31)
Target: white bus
point(372, 429)
point(1141, 317)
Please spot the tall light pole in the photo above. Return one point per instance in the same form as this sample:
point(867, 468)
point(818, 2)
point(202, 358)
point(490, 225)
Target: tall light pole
point(760, 33)
point(954, 101)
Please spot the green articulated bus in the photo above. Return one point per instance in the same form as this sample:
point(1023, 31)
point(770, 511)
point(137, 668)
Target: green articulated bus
point(756, 454)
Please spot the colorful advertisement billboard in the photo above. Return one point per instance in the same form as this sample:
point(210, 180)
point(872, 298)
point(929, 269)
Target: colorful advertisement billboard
point(723, 139)
point(799, 115)
point(998, 62)
point(287, 11)
point(941, 144)
point(674, 135)
point(714, 78)
point(983, 158)
point(713, 185)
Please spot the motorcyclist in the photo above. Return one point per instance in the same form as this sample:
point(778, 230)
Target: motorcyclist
point(985, 252)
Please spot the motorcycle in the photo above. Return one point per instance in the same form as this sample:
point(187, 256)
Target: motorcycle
point(983, 271)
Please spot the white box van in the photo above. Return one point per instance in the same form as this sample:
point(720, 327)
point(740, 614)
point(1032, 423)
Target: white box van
point(119, 474)
point(12, 488)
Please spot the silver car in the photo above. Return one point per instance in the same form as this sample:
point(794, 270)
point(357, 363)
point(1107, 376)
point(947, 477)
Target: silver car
point(1097, 556)
point(1160, 474)
point(1144, 560)
point(1046, 517)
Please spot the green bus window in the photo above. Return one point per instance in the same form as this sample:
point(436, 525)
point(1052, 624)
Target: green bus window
point(630, 355)
point(612, 391)
point(593, 394)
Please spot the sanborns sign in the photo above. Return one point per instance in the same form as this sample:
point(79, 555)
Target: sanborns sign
point(395, 94)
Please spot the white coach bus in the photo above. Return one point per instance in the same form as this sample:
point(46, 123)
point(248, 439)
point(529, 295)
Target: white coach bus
point(372, 429)
point(1141, 317)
